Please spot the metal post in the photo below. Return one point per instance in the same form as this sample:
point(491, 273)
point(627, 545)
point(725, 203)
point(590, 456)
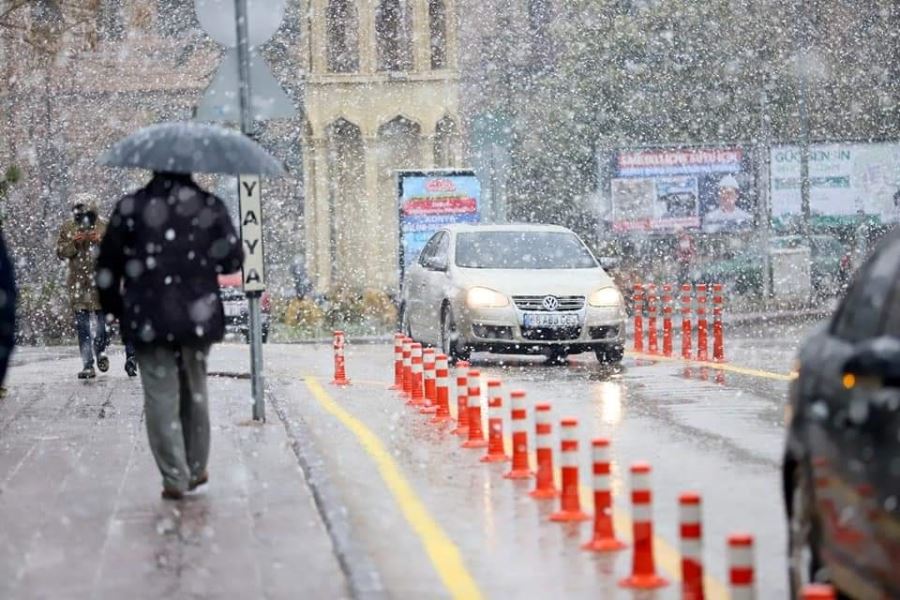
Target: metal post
point(253, 298)
point(765, 206)
point(803, 113)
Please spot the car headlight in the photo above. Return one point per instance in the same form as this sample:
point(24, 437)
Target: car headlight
point(481, 297)
point(606, 297)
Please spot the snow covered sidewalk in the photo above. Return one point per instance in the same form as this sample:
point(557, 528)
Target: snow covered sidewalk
point(80, 510)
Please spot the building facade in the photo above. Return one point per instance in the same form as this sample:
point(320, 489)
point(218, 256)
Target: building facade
point(381, 93)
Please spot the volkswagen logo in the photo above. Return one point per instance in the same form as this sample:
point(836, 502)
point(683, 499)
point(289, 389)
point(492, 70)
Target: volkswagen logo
point(550, 303)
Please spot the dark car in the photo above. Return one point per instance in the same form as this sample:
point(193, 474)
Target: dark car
point(237, 309)
point(842, 458)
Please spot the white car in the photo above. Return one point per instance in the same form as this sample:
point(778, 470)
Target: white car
point(512, 289)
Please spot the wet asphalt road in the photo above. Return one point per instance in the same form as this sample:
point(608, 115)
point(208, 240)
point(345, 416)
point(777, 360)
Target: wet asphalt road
point(431, 521)
point(717, 433)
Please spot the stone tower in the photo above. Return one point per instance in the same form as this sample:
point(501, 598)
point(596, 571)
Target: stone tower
point(381, 94)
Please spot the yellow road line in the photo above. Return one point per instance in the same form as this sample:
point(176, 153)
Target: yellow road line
point(713, 365)
point(443, 553)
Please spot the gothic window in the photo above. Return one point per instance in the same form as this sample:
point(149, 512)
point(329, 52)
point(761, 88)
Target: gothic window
point(445, 143)
point(110, 22)
point(392, 29)
point(342, 22)
point(437, 22)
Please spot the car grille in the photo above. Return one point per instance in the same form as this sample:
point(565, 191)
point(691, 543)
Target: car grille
point(536, 303)
point(566, 333)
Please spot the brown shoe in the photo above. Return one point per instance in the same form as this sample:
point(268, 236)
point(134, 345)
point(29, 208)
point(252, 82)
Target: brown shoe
point(204, 477)
point(170, 494)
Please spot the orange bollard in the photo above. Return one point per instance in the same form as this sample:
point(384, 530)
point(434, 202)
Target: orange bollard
point(604, 539)
point(398, 362)
point(686, 329)
point(652, 343)
point(442, 389)
point(495, 452)
point(691, 531)
point(475, 433)
point(570, 504)
point(407, 367)
point(643, 569)
point(462, 399)
point(702, 325)
point(545, 488)
point(519, 422)
point(417, 390)
point(340, 374)
point(740, 567)
point(638, 317)
point(667, 319)
point(718, 327)
point(430, 385)
point(817, 591)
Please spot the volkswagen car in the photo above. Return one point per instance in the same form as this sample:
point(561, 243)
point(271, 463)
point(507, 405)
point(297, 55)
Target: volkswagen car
point(512, 289)
point(237, 309)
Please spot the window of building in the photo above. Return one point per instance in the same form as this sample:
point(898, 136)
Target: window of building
point(392, 30)
point(445, 143)
point(437, 22)
point(111, 24)
point(342, 22)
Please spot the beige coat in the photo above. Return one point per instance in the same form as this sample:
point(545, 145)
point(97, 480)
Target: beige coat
point(81, 256)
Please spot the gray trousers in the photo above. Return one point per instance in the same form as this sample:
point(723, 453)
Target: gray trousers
point(177, 412)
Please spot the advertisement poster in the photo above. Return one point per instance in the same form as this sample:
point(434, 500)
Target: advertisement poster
point(659, 189)
point(845, 180)
point(428, 200)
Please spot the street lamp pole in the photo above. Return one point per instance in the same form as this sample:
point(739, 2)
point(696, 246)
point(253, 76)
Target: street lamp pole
point(253, 297)
point(803, 111)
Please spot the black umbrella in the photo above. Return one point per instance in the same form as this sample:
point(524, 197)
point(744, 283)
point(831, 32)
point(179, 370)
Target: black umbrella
point(192, 148)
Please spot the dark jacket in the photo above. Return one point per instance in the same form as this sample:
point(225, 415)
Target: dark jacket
point(157, 270)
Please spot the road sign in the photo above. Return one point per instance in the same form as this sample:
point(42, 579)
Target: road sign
point(221, 100)
point(254, 275)
point(217, 17)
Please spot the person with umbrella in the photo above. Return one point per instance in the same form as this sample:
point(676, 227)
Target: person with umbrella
point(157, 271)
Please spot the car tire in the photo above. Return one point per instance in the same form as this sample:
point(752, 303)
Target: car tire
point(449, 345)
point(404, 322)
point(610, 355)
point(803, 558)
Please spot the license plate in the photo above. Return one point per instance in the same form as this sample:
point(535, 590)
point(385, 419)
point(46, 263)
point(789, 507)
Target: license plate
point(550, 320)
point(232, 309)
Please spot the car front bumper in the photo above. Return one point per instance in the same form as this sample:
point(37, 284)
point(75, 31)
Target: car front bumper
point(503, 330)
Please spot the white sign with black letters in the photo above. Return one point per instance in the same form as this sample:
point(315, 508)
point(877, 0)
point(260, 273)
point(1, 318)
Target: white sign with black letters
point(250, 194)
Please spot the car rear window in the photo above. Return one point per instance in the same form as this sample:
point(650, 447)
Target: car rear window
point(522, 250)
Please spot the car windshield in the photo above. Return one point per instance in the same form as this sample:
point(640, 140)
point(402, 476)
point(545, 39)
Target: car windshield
point(522, 250)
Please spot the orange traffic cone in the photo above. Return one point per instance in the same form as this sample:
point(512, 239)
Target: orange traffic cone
point(604, 539)
point(428, 356)
point(691, 546)
point(817, 591)
point(570, 504)
point(442, 389)
point(417, 391)
point(643, 569)
point(340, 374)
point(407, 367)
point(545, 488)
point(495, 452)
point(475, 434)
point(519, 420)
point(398, 362)
point(462, 399)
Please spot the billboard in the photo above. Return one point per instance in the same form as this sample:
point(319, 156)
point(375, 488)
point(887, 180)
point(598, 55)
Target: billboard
point(845, 180)
point(428, 200)
point(661, 189)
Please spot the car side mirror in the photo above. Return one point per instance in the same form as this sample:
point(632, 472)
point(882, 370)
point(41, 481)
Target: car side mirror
point(609, 263)
point(877, 359)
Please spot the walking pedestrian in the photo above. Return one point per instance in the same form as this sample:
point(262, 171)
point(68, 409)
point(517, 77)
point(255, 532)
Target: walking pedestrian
point(78, 244)
point(157, 272)
point(684, 254)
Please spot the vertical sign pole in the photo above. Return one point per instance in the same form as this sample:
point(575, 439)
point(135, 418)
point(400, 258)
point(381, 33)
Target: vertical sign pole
point(251, 233)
